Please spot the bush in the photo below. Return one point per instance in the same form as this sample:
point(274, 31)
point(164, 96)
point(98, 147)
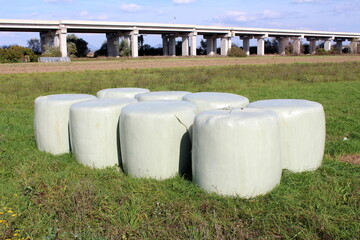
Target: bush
point(321, 51)
point(346, 49)
point(51, 52)
point(124, 49)
point(17, 53)
point(289, 48)
point(71, 49)
point(236, 52)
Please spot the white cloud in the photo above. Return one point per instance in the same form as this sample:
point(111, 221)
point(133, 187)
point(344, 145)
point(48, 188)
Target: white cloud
point(101, 17)
point(346, 7)
point(88, 16)
point(84, 13)
point(241, 17)
point(271, 14)
point(277, 24)
point(130, 7)
point(183, 1)
point(236, 16)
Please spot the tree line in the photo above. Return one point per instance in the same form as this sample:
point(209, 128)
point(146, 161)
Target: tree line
point(78, 48)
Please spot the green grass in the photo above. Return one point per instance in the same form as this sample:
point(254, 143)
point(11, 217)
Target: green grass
point(202, 57)
point(54, 197)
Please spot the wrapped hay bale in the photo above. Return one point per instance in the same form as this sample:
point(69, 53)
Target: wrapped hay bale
point(120, 92)
point(161, 95)
point(51, 121)
point(94, 131)
point(236, 152)
point(302, 132)
point(215, 100)
point(154, 136)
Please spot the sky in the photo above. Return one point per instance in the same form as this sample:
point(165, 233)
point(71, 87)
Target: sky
point(321, 15)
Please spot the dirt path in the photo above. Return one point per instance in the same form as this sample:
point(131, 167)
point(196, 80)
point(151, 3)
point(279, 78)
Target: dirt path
point(163, 63)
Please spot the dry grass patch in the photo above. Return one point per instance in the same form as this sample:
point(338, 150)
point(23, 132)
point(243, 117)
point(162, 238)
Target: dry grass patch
point(353, 159)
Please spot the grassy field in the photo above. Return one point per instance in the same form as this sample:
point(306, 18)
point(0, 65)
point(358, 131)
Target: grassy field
point(53, 197)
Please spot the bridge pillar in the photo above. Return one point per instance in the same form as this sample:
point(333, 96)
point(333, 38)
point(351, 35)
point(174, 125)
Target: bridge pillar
point(46, 41)
point(312, 46)
point(55, 39)
point(283, 42)
point(112, 42)
point(339, 43)
point(134, 36)
point(172, 45)
point(209, 45)
point(193, 43)
point(297, 46)
point(246, 44)
point(261, 46)
point(327, 45)
point(214, 45)
point(62, 40)
point(127, 39)
point(225, 41)
point(354, 45)
point(185, 45)
point(165, 41)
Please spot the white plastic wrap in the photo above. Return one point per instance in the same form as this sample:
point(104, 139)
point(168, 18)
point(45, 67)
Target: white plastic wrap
point(51, 120)
point(94, 131)
point(161, 95)
point(236, 152)
point(155, 141)
point(120, 92)
point(302, 131)
point(215, 100)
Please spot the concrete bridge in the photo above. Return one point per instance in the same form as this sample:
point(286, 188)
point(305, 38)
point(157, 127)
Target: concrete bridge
point(53, 34)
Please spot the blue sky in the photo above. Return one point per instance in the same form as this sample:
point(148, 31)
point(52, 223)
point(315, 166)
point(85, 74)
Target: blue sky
point(323, 15)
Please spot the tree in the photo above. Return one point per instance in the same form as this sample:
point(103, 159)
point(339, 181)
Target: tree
point(71, 49)
point(124, 49)
point(202, 49)
point(148, 50)
point(306, 48)
point(81, 46)
point(271, 47)
point(178, 48)
point(141, 41)
point(35, 45)
point(102, 51)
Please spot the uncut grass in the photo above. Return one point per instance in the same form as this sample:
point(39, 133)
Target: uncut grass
point(55, 197)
